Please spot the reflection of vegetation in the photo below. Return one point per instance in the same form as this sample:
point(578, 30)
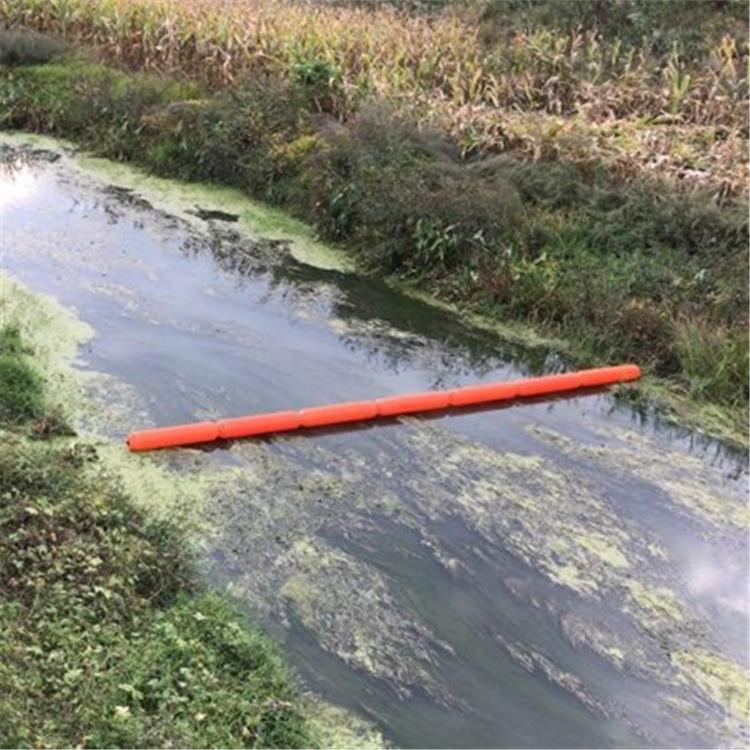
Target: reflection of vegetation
point(505, 161)
point(368, 317)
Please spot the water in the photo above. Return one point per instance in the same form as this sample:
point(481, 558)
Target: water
point(560, 573)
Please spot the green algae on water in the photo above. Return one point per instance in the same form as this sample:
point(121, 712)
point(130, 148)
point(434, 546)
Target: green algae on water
point(728, 425)
point(335, 727)
point(507, 498)
point(533, 661)
point(271, 531)
point(183, 198)
point(688, 483)
point(352, 610)
point(256, 219)
point(723, 681)
point(38, 140)
point(656, 607)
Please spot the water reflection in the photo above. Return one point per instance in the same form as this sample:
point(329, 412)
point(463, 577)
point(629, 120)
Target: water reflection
point(18, 182)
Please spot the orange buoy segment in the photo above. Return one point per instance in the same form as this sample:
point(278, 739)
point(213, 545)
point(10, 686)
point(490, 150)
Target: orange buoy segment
point(353, 411)
point(607, 375)
point(543, 386)
point(412, 403)
point(258, 424)
point(483, 394)
point(390, 406)
point(169, 437)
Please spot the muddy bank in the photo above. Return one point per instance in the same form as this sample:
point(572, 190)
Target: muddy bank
point(562, 573)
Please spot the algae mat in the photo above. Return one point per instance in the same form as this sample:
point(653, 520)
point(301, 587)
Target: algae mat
point(557, 574)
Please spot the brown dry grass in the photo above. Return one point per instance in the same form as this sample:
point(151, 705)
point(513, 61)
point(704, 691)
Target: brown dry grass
point(548, 93)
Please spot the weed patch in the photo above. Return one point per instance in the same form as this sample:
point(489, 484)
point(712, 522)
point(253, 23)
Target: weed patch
point(23, 405)
point(21, 393)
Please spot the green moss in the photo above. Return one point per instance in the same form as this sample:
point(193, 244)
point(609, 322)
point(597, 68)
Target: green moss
point(53, 334)
point(29, 398)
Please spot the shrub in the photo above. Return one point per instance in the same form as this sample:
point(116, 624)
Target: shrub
point(403, 196)
point(28, 47)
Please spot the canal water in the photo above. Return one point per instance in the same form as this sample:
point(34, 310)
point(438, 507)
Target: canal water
point(558, 573)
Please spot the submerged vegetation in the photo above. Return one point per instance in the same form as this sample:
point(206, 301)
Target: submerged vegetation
point(581, 165)
point(105, 639)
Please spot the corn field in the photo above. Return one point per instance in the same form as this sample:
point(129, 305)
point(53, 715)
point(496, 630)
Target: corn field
point(546, 93)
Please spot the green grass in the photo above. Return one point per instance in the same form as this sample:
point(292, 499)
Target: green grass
point(626, 268)
point(21, 391)
point(714, 359)
point(22, 399)
point(105, 641)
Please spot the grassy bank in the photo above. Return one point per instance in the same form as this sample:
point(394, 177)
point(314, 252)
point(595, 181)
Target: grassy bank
point(558, 232)
point(105, 641)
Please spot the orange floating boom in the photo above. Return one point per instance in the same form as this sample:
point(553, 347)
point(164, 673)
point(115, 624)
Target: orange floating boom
point(391, 406)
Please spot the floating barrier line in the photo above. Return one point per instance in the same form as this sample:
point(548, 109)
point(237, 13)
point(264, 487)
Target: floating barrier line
point(390, 406)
